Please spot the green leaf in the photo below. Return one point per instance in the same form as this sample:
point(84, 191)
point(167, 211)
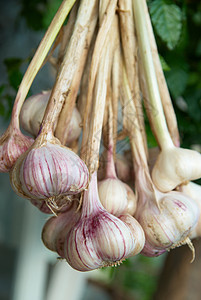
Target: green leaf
point(177, 79)
point(164, 64)
point(13, 70)
point(51, 10)
point(167, 21)
point(193, 100)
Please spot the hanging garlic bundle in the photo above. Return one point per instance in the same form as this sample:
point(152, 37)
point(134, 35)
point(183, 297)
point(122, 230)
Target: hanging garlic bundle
point(106, 56)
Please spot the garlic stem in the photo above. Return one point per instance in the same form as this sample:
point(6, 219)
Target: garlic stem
point(67, 110)
point(130, 53)
point(67, 31)
point(92, 155)
point(104, 28)
point(159, 122)
point(69, 65)
point(39, 57)
point(163, 89)
point(110, 168)
point(115, 95)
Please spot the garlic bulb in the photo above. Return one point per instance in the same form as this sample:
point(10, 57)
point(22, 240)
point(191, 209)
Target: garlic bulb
point(55, 229)
point(100, 239)
point(113, 193)
point(49, 171)
point(193, 190)
point(12, 144)
point(32, 113)
point(175, 166)
point(169, 225)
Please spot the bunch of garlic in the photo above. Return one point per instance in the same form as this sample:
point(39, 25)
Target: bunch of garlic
point(106, 60)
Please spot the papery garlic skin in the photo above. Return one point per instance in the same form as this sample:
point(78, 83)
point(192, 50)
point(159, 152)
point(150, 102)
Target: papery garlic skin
point(49, 172)
point(168, 226)
point(193, 190)
point(41, 205)
point(175, 166)
point(100, 239)
point(11, 147)
point(131, 200)
point(32, 113)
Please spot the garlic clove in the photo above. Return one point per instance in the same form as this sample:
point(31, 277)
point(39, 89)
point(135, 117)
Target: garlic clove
point(12, 145)
point(49, 172)
point(100, 239)
point(175, 166)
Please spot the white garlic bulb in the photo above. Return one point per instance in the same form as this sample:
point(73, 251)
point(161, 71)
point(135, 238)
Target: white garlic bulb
point(32, 113)
point(169, 225)
point(175, 166)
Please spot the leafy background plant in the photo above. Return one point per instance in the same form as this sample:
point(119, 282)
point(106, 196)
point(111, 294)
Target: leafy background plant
point(177, 27)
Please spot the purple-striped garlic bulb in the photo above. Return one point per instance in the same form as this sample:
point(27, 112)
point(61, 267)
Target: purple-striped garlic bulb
point(115, 196)
point(32, 113)
point(169, 224)
point(49, 171)
point(100, 239)
point(56, 228)
point(12, 144)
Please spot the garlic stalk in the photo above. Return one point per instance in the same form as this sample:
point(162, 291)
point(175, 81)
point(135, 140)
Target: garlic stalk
point(114, 195)
point(32, 113)
point(130, 50)
point(84, 31)
point(13, 143)
point(162, 85)
point(174, 166)
point(166, 218)
point(100, 239)
point(99, 48)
